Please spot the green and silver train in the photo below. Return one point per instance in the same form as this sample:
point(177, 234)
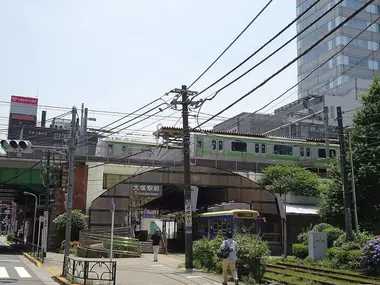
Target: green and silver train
point(225, 150)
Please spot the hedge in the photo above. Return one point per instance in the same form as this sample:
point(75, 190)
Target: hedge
point(300, 250)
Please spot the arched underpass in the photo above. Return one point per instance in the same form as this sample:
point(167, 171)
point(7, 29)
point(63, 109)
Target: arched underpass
point(162, 189)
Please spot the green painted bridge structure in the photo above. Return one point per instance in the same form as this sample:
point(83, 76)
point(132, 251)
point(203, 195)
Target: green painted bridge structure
point(18, 175)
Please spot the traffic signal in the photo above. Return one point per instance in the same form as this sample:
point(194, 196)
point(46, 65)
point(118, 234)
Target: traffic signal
point(17, 146)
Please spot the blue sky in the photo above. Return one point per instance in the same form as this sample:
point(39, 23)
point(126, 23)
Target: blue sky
point(119, 55)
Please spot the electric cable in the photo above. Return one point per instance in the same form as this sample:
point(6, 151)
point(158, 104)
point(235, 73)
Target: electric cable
point(228, 47)
point(288, 64)
point(273, 53)
point(267, 43)
point(315, 69)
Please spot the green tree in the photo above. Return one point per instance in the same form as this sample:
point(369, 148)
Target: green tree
point(284, 179)
point(365, 134)
point(365, 137)
point(79, 222)
point(331, 207)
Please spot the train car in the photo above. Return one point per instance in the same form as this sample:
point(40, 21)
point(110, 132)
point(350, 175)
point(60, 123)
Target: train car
point(136, 150)
point(236, 220)
point(260, 149)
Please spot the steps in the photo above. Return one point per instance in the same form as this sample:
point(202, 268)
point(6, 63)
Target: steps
point(146, 247)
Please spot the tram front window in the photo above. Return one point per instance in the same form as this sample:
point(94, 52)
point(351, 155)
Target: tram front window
point(246, 226)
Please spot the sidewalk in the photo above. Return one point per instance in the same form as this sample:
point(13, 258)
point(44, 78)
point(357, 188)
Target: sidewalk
point(142, 271)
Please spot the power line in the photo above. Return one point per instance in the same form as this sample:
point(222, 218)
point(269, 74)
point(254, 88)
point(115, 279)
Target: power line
point(273, 53)
point(261, 48)
point(290, 63)
point(227, 48)
point(315, 69)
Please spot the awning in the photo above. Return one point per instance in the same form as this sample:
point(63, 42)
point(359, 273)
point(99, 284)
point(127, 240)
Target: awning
point(301, 210)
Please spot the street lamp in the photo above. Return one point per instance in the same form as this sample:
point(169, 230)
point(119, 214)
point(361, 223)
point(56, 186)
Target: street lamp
point(35, 214)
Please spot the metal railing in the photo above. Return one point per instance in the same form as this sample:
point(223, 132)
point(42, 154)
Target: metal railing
point(100, 240)
point(32, 249)
point(89, 269)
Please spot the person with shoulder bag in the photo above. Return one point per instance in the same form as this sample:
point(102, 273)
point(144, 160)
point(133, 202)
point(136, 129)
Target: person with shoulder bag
point(228, 254)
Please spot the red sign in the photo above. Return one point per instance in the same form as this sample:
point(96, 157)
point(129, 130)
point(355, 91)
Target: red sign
point(23, 117)
point(24, 100)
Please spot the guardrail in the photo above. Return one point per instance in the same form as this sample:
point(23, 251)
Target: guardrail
point(34, 250)
point(97, 243)
point(89, 269)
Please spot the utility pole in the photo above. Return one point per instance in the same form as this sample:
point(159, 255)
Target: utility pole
point(186, 169)
point(346, 195)
point(70, 187)
point(353, 183)
point(327, 133)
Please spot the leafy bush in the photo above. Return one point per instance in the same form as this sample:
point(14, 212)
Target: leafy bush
point(251, 248)
point(300, 250)
point(358, 241)
point(10, 237)
point(332, 233)
point(78, 223)
point(371, 257)
point(344, 259)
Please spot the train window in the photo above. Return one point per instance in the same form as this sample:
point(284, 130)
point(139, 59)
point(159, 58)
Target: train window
point(332, 152)
point(110, 148)
point(283, 149)
point(239, 146)
point(322, 152)
point(302, 151)
point(263, 148)
point(220, 145)
point(199, 143)
point(257, 148)
point(123, 150)
point(57, 136)
point(308, 151)
point(213, 142)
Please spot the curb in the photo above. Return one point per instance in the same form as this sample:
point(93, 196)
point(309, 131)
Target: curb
point(33, 260)
point(63, 281)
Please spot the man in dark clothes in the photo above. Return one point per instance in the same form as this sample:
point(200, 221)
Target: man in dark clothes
point(156, 238)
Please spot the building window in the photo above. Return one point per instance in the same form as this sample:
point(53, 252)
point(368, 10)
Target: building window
point(308, 152)
point(302, 151)
point(332, 152)
point(213, 142)
point(220, 145)
point(283, 150)
point(57, 136)
point(257, 148)
point(322, 153)
point(263, 148)
point(239, 146)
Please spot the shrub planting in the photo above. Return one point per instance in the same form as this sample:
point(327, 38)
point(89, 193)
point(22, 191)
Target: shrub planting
point(371, 257)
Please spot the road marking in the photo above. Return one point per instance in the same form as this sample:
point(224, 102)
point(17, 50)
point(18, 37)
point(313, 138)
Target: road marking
point(3, 273)
point(156, 265)
point(22, 272)
point(190, 277)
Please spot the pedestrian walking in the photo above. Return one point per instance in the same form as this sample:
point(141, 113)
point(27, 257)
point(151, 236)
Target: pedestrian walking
point(156, 239)
point(137, 230)
point(228, 254)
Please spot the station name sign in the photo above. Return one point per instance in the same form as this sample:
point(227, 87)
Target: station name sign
point(147, 190)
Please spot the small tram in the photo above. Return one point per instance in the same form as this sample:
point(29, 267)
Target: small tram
point(234, 220)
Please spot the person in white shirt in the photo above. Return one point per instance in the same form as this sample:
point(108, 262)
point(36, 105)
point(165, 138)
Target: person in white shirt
point(137, 230)
point(229, 262)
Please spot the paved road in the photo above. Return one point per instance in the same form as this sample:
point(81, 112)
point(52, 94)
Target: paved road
point(16, 269)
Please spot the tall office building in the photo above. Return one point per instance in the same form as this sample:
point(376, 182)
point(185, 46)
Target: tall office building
point(355, 65)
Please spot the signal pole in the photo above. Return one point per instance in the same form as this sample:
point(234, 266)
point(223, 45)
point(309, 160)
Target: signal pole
point(346, 195)
point(70, 187)
point(186, 169)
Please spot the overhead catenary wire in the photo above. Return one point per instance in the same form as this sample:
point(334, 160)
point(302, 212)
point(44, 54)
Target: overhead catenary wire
point(288, 64)
point(274, 52)
point(261, 48)
point(311, 72)
point(231, 44)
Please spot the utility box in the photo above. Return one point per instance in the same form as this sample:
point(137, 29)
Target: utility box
point(317, 245)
